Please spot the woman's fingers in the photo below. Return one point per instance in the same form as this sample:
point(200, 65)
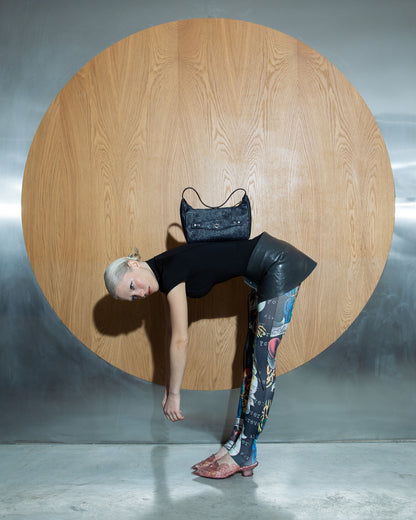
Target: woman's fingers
point(171, 408)
point(174, 416)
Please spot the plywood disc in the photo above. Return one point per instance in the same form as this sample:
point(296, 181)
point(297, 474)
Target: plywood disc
point(216, 104)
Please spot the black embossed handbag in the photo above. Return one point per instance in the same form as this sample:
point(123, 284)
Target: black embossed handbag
point(216, 223)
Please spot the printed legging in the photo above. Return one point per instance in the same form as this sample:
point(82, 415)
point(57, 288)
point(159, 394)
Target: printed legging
point(268, 322)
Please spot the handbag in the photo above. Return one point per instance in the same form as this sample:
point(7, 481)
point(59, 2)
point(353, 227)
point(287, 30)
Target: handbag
point(216, 223)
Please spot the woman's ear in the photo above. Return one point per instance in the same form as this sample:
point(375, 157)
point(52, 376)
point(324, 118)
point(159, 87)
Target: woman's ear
point(133, 264)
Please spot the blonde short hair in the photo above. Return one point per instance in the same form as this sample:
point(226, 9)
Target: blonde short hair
point(116, 271)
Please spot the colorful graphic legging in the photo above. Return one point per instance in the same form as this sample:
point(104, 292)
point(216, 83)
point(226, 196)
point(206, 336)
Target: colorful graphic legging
point(268, 322)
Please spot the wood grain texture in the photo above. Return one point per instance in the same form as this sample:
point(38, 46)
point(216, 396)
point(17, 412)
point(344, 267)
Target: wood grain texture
point(216, 104)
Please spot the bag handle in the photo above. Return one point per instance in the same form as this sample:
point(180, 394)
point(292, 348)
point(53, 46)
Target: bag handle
point(213, 207)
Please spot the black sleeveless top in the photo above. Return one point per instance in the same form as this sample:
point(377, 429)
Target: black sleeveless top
point(269, 265)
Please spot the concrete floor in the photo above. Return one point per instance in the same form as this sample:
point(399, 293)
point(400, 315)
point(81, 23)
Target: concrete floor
point(350, 481)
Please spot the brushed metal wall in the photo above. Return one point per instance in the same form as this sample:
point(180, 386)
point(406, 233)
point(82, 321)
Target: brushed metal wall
point(53, 389)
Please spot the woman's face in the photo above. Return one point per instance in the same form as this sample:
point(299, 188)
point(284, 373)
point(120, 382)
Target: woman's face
point(138, 283)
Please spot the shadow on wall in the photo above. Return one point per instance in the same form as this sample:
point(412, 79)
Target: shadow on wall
point(227, 299)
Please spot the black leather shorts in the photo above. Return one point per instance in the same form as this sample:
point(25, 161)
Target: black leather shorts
point(275, 267)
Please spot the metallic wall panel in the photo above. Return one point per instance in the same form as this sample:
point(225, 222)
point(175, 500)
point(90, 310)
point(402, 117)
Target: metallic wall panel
point(52, 388)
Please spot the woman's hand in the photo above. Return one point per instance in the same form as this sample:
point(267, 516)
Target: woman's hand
point(171, 406)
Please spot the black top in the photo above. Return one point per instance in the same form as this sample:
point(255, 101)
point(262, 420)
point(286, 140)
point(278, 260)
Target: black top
point(269, 265)
point(201, 265)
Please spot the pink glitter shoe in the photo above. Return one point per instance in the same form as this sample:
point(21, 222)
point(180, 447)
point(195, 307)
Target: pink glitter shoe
point(217, 471)
point(206, 462)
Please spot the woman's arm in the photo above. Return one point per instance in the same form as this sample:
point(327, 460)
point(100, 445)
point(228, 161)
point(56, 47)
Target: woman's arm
point(178, 351)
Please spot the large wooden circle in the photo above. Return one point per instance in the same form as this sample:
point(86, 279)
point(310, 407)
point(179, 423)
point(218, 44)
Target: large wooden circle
point(215, 104)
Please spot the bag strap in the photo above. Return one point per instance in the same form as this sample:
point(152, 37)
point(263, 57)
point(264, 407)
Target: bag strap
point(213, 207)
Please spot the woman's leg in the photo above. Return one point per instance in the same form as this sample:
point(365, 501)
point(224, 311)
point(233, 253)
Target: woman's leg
point(247, 370)
point(245, 385)
point(273, 319)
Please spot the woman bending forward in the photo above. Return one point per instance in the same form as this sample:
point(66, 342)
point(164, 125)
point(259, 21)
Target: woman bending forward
point(275, 270)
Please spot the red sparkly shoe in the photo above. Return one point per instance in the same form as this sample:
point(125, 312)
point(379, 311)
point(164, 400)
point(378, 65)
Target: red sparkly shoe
point(206, 462)
point(218, 471)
